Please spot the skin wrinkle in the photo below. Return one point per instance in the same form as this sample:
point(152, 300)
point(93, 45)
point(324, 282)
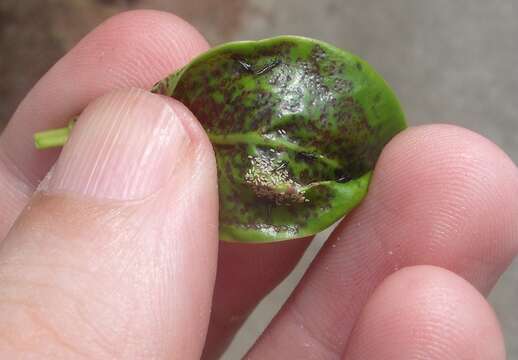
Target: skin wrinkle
point(131, 265)
point(164, 294)
point(120, 207)
point(301, 323)
point(441, 316)
point(15, 191)
point(40, 324)
point(24, 186)
point(111, 138)
point(144, 218)
point(156, 268)
point(35, 311)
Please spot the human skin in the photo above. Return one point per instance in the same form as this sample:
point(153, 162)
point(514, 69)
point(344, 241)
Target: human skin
point(123, 261)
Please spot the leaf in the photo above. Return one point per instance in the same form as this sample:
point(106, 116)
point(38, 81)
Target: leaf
point(297, 126)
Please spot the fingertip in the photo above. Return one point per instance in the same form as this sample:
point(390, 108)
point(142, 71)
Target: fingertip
point(450, 140)
point(128, 215)
point(132, 49)
point(426, 311)
point(149, 30)
point(442, 187)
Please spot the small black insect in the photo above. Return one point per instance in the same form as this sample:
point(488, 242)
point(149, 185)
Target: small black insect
point(246, 66)
point(343, 179)
point(269, 208)
point(268, 67)
point(280, 167)
point(307, 156)
point(249, 68)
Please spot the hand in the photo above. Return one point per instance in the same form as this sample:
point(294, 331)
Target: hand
point(114, 255)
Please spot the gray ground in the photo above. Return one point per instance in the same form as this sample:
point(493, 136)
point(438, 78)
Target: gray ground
point(450, 61)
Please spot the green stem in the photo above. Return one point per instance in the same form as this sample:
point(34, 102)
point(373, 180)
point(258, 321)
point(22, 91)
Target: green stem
point(53, 138)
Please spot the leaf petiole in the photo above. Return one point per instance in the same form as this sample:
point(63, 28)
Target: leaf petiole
point(54, 137)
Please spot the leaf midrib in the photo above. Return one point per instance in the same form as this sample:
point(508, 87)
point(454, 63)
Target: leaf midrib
point(253, 138)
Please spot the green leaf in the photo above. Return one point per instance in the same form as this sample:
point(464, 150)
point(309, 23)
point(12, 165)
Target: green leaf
point(297, 126)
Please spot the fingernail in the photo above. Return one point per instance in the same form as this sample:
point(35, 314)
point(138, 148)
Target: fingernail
point(125, 146)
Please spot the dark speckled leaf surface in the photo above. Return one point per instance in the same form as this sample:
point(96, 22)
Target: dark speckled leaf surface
point(297, 126)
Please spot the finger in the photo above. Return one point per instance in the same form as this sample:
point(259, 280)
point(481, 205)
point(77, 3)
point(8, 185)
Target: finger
point(131, 49)
point(426, 312)
point(15, 192)
point(135, 49)
point(246, 274)
point(441, 196)
point(116, 256)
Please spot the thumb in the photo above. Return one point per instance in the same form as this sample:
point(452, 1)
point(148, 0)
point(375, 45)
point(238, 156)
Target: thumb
point(115, 256)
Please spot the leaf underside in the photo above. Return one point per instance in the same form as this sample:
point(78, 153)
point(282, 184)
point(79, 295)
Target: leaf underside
point(297, 126)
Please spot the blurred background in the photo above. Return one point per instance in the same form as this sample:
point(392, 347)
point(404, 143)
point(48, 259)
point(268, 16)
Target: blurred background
point(449, 61)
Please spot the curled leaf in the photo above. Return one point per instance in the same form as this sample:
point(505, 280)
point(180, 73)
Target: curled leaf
point(297, 126)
